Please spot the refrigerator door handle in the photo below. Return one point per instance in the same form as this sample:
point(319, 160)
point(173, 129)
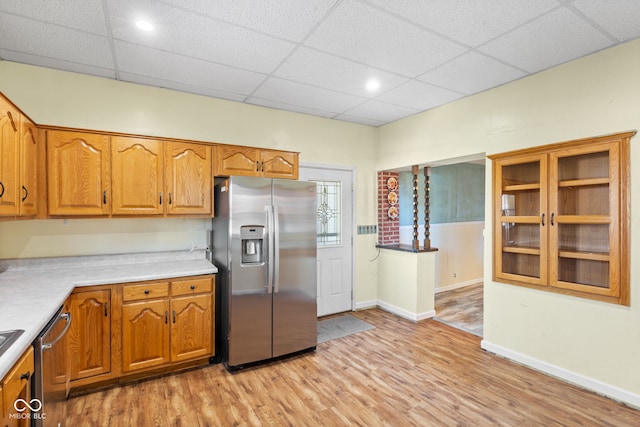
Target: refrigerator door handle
point(276, 249)
point(270, 238)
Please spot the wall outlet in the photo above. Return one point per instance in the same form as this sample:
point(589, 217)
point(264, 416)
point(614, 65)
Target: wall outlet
point(455, 275)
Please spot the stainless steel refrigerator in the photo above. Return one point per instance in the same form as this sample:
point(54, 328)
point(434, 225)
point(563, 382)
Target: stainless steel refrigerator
point(264, 245)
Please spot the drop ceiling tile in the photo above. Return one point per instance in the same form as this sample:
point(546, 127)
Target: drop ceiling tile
point(370, 36)
point(381, 111)
point(189, 34)
point(419, 96)
point(622, 21)
point(316, 68)
point(288, 19)
point(360, 120)
point(292, 93)
point(466, 21)
point(288, 107)
point(472, 72)
point(552, 39)
point(52, 41)
point(182, 87)
point(84, 15)
point(42, 61)
point(143, 61)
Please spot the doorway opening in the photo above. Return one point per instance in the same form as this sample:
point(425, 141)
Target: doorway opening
point(456, 212)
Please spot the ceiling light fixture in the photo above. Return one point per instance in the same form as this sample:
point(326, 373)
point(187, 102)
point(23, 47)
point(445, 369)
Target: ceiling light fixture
point(373, 85)
point(144, 25)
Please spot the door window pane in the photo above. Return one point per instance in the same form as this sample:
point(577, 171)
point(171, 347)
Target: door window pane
point(329, 213)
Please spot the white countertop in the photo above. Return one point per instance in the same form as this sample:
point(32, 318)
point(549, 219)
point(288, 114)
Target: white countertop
point(32, 290)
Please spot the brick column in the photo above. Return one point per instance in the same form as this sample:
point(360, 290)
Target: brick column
point(388, 228)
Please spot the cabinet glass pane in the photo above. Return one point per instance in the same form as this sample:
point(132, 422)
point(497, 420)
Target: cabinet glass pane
point(521, 203)
point(520, 174)
point(583, 200)
point(521, 235)
point(589, 238)
point(584, 272)
point(521, 264)
point(585, 166)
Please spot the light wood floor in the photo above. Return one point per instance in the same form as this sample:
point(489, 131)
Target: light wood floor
point(399, 374)
point(462, 308)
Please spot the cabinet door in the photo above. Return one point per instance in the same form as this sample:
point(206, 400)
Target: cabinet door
point(189, 179)
point(584, 219)
point(521, 221)
point(89, 337)
point(145, 334)
point(9, 160)
point(233, 160)
point(191, 327)
point(138, 177)
point(78, 173)
point(279, 164)
point(17, 385)
point(28, 167)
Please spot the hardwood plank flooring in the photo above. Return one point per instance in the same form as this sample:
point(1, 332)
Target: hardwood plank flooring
point(462, 308)
point(399, 374)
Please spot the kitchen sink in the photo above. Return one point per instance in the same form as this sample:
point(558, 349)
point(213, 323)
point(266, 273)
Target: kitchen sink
point(7, 338)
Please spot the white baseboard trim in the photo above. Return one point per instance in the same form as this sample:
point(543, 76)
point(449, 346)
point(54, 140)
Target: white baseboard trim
point(364, 305)
point(596, 386)
point(415, 317)
point(459, 285)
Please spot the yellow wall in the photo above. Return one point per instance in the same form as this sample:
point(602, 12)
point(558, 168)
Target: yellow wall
point(59, 98)
point(586, 341)
point(595, 95)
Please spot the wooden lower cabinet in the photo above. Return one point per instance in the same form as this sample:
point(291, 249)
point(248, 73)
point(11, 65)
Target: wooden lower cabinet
point(160, 328)
point(88, 340)
point(145, 334)
point(191, 327)
point(127, 331)
point(17, 385)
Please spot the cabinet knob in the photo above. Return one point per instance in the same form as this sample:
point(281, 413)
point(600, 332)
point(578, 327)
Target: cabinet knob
point(192, 287)
point(1, 188)
point(25, 376)
point(147, 291)
point(26, 193)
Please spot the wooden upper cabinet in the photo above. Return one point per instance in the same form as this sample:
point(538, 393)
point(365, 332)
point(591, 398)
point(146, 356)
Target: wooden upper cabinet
point(562, 218)
point(28, 167)
point(279, 164)
point(137, 176)
point(188, 179)
point(9, 159)
point(234, 160)
point(79, 173)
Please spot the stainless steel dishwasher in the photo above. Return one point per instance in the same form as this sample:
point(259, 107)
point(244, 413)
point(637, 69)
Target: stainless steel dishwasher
point(51, 373)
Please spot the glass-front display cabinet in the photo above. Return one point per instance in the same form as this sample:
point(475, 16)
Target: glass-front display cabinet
point(561, 217)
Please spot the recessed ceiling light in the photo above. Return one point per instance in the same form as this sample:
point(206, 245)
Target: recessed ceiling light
point(144, 25)
point(373, 85)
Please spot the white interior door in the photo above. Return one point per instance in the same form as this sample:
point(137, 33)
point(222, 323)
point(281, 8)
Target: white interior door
point(334, 221)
